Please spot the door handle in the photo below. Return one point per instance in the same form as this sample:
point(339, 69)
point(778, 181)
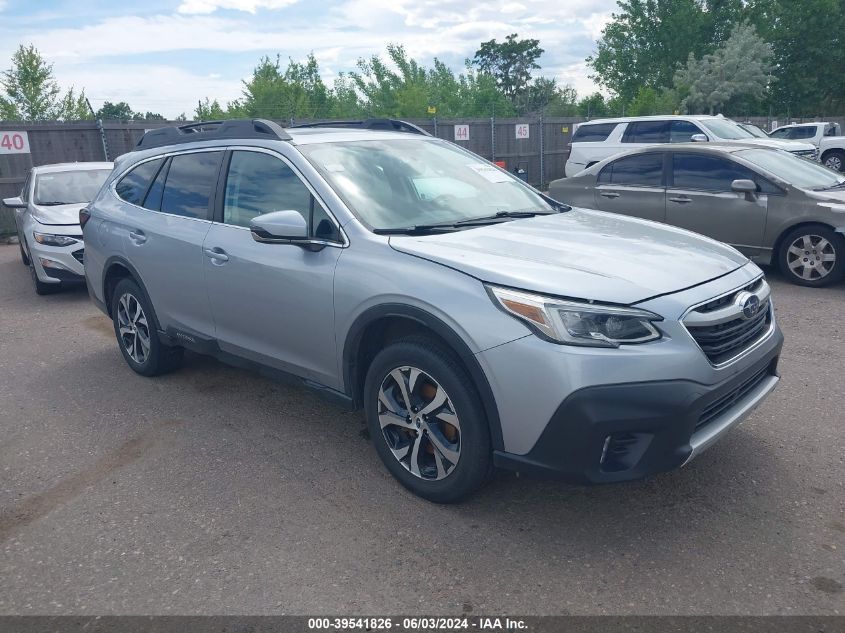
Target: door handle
point(138, 237)
point(681, 199)
point(609, 194)
point(217, 255)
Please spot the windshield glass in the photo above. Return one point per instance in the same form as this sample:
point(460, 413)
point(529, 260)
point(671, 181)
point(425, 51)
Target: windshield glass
point(781, 133)
point(754, 130)
point(69, 187)
point(725, 129)
point(397, 183)
point(796, 171)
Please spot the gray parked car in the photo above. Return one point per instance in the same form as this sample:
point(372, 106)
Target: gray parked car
point(774, 207)
point(476, 321)
point(47, 220)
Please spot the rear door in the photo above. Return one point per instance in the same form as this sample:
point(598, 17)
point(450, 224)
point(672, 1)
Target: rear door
point(273, 303)
point(633, 185)
point(699, 198)
point(164, 233)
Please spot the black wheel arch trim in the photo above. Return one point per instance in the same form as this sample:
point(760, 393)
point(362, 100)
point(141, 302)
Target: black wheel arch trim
point(117, 260)
point(351, 348)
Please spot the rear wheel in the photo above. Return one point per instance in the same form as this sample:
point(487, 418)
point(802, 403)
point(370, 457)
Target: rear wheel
point(137, 332)
point(813, 256)
point(835, 160)
point(426, 420)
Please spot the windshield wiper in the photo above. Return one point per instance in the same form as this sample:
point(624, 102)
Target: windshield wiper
point(52, 203)
point(840, 185)
point(501, 216)
point(417, 229)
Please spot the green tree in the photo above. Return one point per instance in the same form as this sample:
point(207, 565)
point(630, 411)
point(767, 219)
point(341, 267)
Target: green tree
point(73, 107)
point(115, 111)
point(296, 92)
point(650, 101)
point(209, 111)
point(593, 106)
point(647, 40)
point(808, 55)
point(740, 68)
point(32, 93)
point(510, 62)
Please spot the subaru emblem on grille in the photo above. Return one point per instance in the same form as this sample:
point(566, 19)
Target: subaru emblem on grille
point(750, 304)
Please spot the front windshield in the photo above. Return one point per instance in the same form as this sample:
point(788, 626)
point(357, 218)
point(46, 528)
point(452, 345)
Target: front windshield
point(754, 130)
point(798, 172)
point(781, 133)
point(725, 129)
point(398, 183)
point(69, 187)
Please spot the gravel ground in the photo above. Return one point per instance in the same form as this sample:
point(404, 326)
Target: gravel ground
point(214, 490)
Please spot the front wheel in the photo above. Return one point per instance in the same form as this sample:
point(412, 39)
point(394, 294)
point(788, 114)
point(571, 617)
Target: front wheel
point(813, 256)
point(426, 420)
point(137, 334)
point(834, 160)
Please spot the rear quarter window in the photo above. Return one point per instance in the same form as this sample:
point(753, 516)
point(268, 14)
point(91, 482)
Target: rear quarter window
point(592, 133)
point(133, 186)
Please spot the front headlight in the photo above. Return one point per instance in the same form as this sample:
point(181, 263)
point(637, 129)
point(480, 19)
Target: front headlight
point(575, 323)
point(48, 239)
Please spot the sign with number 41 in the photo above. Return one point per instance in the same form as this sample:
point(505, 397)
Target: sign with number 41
point(461, 132)
point(521, 130)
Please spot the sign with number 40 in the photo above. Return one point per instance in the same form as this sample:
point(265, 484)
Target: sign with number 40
point(14, 142)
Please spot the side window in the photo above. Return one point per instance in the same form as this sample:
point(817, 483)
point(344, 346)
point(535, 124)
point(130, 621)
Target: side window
point(707, 173)
point(682, 131)
point(781, 133)
point(260, 183)
point(647, 132)
point(644, 170)
point(191, 180)
point(592, 133)
point(805, 131)
point(153, 199)
point(133, 186)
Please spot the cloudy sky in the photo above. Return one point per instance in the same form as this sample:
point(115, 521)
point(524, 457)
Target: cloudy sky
point(163, 55)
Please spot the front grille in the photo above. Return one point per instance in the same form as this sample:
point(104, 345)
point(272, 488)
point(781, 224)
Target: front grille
point(720, 328)
point(79, 255)
point(724, 403)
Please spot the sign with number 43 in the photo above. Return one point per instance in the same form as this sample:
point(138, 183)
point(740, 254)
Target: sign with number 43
point(14, 142)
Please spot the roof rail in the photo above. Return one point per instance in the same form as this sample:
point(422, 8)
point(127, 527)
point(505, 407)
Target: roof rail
point(212, 131)
point(393, 125)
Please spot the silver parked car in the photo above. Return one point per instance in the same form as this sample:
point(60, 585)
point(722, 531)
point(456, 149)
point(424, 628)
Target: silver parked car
point(47, 220)
point(776, 208)
point(477, 322)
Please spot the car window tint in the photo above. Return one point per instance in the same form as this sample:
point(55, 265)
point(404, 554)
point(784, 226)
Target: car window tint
point(682, 131)
point(591, 133)
point(646, 132)
point(191, 179)
point(645, 170)
point(153, 199)
point(807, 131)
point(258, 183)
point(707, 173)
point(781, 133)
point(133, 186)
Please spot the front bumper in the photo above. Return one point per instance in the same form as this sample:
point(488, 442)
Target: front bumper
point(54, 264)
point(624, 431)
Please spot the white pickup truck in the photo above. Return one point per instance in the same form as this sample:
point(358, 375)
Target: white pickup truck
point(825, 135)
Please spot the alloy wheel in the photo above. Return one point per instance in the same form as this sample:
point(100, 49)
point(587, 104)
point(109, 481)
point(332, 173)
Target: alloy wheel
point(833, 162)
point(133, 328)
point(811, 257)
point(419, 423)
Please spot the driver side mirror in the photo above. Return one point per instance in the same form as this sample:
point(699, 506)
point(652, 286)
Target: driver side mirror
point(279, 227)
point(748, 187)
point(14, 203)
point(698, 138)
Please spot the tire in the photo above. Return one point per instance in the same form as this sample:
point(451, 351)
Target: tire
point(443, 455)
point(813, 256)
point(835, 160)
point(136, 330)
point(42, 288)
point(24, 258)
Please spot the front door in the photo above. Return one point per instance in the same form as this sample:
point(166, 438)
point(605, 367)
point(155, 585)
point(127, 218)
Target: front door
point(273, 303)
point(699, 198)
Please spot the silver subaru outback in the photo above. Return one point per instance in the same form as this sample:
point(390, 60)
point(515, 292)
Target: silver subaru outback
point(477, 322)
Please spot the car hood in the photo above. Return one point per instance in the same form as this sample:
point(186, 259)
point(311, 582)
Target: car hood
point(777, 143)
point(580, 254)
point(59, 214)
